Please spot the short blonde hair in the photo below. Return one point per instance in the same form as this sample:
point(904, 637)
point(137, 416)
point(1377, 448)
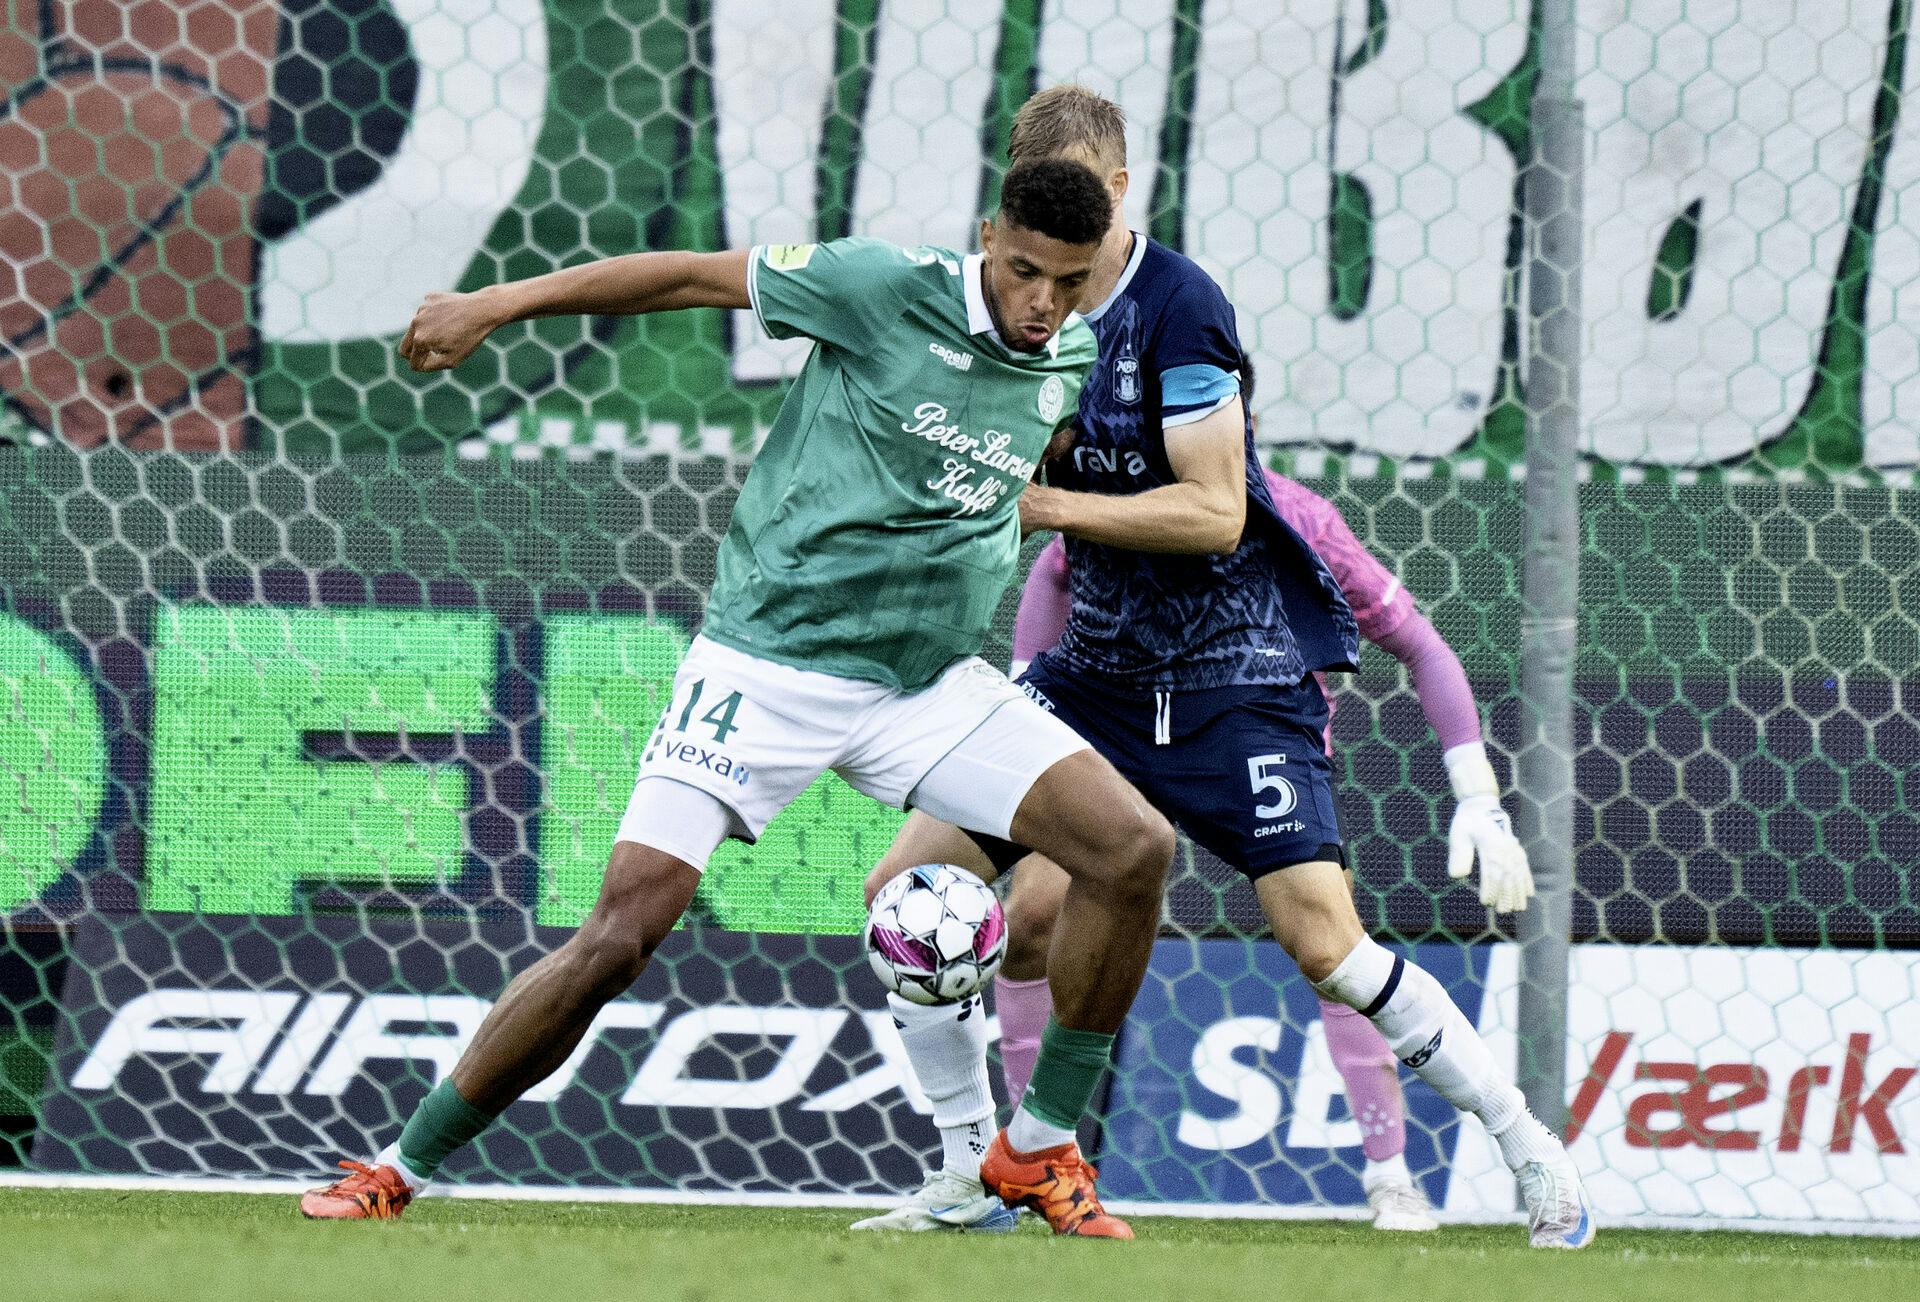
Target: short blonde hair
point(1064, 118)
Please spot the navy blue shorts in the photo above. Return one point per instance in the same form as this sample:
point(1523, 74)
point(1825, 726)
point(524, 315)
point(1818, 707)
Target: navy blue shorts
point(1243, 770)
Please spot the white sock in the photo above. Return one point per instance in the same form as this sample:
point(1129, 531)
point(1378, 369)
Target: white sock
point(962, 1146)
point(1388, 1170)
point(1029, 1134)
point(1428, 1032)
point(390, 1156)
point(947, 1045)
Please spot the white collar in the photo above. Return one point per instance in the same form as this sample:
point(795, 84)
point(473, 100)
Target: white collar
point(973, 272)
point(1126, 278)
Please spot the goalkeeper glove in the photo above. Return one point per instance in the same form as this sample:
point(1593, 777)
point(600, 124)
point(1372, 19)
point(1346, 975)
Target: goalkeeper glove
point(1481, 828)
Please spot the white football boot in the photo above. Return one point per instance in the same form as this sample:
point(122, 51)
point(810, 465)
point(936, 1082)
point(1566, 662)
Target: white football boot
point(1399, 1206)
point(1558, 1213)
point(949, 1201)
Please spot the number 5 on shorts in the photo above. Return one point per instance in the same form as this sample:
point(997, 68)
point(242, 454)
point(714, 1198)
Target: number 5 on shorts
point(1263, 772)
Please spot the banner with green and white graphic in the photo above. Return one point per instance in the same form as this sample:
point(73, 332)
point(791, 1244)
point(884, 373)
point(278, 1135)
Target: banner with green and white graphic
point(1347, 168)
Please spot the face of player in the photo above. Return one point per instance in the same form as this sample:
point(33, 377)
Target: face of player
point(1032, 282)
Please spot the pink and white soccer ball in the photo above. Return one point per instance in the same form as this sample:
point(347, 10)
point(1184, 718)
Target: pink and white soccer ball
point(935, 934)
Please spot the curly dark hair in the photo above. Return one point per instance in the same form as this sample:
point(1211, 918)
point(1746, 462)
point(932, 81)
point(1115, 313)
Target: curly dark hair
point(1057, 197)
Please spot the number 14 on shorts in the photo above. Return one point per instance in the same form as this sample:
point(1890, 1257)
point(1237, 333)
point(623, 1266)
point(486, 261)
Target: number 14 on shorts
point(719, 716)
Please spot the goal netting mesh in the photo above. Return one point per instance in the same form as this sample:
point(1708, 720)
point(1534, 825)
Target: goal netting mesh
point(322, 685)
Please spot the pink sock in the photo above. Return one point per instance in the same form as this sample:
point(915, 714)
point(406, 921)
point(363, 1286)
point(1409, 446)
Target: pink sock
point(1023, 1008)
point(1372, 1076)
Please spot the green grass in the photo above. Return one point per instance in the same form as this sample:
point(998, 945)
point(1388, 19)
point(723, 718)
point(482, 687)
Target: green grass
point(240, 1247)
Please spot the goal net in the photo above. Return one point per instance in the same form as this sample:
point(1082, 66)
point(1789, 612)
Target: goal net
point(325, 683)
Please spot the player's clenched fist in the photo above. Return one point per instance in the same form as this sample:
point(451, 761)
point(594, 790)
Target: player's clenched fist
point(446, 329)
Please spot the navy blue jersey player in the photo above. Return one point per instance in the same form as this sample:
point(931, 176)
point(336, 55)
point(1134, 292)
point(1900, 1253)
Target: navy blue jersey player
point(1198, 618)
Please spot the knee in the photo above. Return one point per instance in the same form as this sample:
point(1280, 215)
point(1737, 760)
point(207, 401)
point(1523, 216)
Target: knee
point(1318, 959)
point(1319, 950)
point(1127, 858)
point(1310, 908)
point(1142, 854)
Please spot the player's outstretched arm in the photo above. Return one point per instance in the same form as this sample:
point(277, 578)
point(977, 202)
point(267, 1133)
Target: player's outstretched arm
point(1480, 828)
point(1387, 617)
point(448, 327)
point(1202, 513)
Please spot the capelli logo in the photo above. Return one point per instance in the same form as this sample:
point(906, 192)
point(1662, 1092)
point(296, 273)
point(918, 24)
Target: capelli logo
point(953, 357)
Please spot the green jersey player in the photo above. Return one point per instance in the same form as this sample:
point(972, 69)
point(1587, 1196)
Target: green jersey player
point(866, 555)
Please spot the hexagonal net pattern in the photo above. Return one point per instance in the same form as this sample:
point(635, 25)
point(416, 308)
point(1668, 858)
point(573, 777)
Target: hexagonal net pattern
point(326, 681)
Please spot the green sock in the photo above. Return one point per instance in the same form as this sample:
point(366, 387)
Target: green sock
point(1066, 1074)
point(443, 1122)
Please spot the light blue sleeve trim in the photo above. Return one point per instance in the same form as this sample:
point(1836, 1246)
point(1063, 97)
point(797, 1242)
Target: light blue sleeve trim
point(1196, 384)
point(1179, 418)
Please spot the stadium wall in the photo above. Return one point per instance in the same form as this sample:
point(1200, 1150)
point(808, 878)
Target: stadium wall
point(1716, 1086)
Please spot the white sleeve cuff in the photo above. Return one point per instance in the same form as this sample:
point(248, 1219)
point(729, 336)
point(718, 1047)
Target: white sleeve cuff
point(755, 256)
point(1471, 772)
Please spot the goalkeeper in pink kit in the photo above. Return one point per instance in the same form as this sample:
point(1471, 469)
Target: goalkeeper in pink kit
point(1388, 618)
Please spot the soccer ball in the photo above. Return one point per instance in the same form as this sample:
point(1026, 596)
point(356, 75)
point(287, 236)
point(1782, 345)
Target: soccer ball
point(935, 934)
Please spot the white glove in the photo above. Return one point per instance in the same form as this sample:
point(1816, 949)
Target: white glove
point(1481, 828)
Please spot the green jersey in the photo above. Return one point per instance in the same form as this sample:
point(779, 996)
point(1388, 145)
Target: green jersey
point(877, 530)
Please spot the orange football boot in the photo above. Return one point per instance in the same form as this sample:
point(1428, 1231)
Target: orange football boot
point(1055, 1182)
point(365, 1193)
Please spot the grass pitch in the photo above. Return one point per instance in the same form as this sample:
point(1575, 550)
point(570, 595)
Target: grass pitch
point(238, 1247)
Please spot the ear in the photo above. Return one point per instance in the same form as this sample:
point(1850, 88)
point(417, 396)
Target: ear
point(986, 234)
point(1117, 186)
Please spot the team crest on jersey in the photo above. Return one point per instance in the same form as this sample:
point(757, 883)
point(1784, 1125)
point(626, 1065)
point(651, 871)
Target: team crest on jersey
point(1126, 362)
point(1053, 396)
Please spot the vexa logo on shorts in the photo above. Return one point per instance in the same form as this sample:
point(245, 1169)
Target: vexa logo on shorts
point(717, 762)
point(958, 481)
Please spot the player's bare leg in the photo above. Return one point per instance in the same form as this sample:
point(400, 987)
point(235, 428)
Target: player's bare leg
point(1310, 908)
point(1116, 849)
point(547, 1008)
point(527, 1035)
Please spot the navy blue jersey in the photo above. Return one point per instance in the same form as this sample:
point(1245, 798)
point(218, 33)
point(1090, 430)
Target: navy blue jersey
point(1269, 612)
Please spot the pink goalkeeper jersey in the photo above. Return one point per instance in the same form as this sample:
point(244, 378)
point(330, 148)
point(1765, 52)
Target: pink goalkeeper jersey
point(1382, 607)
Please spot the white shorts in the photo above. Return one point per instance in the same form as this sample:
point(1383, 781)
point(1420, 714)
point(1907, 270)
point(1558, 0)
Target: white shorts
point(753, 734)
